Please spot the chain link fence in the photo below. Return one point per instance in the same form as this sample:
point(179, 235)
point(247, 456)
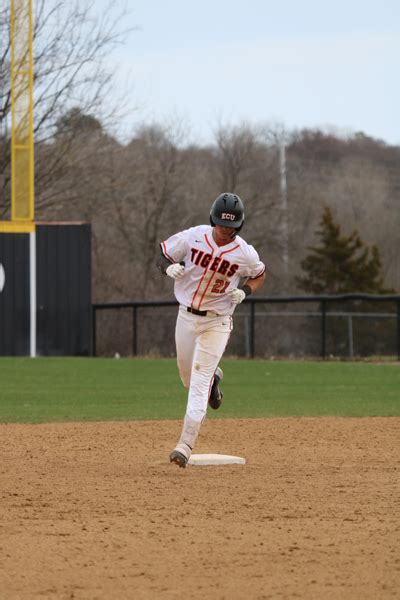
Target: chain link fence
point(345, 326)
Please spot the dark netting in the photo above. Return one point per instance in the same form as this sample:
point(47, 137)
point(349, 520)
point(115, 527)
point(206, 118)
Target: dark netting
point(351, 328)
point(287, 330)
point(360, 328)
point(156, 331)
point(114, 332)
point(238, 344)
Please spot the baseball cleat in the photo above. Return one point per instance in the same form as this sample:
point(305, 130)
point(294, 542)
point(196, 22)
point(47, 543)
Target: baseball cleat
point(178, 458)
point(216, 395)
point(180, 455)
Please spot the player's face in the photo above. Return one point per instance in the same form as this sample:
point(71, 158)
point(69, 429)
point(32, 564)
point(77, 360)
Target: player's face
point(223, 235)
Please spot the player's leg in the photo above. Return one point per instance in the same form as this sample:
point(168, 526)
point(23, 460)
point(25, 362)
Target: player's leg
point(181, 453)
point(209, 347)
point(185, 340)
point(216, 395)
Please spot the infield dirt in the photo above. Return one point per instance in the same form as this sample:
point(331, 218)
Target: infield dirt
point(95, 511)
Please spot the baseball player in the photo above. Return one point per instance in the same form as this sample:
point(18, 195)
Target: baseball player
point(208, 263)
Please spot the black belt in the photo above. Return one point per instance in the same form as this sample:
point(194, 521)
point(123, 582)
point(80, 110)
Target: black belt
point(194, 311)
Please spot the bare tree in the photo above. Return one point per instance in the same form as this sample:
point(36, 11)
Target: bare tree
point(146, 193)
point(247, 162)
point(71, 47)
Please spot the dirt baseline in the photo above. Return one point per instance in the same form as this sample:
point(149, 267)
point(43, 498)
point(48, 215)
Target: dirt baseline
point(94, 511)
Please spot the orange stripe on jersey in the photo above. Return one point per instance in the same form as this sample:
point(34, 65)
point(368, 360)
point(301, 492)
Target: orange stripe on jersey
point(164, 247)
point(204, 274)
point(211, 278)
point(231, 250)
point(259, 274)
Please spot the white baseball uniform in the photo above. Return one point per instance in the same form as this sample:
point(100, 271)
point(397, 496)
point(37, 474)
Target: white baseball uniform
point(210, 271)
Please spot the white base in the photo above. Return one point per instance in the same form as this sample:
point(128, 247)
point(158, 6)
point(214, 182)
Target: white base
point(215, 459)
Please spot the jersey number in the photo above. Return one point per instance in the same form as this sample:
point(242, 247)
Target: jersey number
point(219, 286)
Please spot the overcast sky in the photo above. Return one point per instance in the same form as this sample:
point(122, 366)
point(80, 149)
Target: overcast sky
point(303, 63)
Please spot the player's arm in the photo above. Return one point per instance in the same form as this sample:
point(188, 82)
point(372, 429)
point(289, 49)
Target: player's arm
point(237, 295)
point(254, 271)
point(252, 285)
point(163, 263)
point(167, 267)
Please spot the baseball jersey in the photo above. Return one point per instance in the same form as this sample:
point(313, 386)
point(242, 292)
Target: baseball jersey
point(210, 270)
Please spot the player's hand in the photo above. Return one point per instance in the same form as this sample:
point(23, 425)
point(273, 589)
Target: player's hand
point(237, 296)
point(175, 271)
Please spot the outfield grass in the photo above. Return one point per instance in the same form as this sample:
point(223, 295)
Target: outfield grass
point(66, 389)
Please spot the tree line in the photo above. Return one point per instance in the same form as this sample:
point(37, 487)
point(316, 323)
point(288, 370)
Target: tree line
point(137, 192)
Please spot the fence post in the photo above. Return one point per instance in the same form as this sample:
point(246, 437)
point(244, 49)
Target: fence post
point(350, 334)
point(93, 330)
point(398, 330)
point(246, 336)
point(323, 328)
point(252, 327)
point(135, 336)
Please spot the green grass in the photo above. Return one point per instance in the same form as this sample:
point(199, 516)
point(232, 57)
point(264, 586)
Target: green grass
point(64, 389)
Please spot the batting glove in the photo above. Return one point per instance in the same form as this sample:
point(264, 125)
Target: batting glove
point(237, 296)
point(175, 271)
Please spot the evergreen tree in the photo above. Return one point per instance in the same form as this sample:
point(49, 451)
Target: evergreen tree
point(341, 264)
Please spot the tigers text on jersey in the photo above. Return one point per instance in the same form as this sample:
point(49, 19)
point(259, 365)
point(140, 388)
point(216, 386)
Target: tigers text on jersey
point(210, 270)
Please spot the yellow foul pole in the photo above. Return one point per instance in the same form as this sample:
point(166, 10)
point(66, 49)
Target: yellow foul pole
point(22, 148)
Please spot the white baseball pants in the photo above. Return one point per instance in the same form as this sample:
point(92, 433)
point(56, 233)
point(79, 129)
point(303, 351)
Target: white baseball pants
point(200, 344)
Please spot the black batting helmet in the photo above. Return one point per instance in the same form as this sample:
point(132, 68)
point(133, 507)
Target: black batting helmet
point(227, 210)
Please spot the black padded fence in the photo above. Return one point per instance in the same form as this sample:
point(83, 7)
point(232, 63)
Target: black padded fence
point(347, 325)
